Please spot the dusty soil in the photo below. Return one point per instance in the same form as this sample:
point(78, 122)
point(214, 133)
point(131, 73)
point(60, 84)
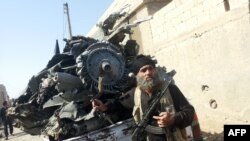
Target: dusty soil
point(213, 137)
point(19, 135)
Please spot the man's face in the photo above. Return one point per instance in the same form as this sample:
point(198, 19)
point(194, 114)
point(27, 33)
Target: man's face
point(146, 77)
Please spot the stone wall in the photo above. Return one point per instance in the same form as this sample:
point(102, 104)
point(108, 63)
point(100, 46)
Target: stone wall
point(207, 43)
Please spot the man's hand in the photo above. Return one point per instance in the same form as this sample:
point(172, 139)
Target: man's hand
point(99, 106)
point(164, 119)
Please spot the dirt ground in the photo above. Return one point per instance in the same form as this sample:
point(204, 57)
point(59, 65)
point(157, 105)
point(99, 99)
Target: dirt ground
point(213, 137)
point(19, 135)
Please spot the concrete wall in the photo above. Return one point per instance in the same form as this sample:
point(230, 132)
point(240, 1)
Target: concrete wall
point(207, 43)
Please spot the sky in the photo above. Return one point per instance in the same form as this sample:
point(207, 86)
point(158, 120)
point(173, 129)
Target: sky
point(29, 30)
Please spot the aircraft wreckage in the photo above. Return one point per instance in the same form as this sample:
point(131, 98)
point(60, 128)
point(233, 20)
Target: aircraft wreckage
point(57, 101)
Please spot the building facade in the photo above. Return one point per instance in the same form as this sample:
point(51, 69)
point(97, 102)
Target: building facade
point(3, 95)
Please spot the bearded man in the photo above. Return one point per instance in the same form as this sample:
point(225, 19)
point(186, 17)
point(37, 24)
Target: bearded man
point(173, 111)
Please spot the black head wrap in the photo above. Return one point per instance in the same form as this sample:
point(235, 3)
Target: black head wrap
point(140, 61)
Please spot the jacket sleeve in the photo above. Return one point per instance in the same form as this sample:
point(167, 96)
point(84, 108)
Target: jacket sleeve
point(184, 110)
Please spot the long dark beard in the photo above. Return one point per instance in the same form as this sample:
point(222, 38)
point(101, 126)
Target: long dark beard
point(148, 84)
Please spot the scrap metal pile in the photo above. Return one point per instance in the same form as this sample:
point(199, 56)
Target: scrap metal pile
point(57, 100)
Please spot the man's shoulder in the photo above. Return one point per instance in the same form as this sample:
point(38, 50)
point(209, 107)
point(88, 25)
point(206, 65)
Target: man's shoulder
point(132, 90)
point(127, 94)
point(173, 89)
point(172, 86)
